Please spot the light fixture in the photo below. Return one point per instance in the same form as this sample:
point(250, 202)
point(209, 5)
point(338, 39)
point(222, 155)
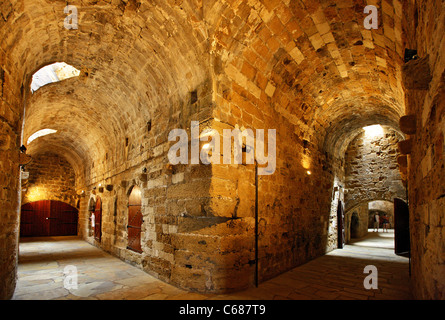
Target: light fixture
point(410, 54)
point(308, 173)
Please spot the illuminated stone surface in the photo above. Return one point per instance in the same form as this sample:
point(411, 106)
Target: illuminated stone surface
point(308, 69)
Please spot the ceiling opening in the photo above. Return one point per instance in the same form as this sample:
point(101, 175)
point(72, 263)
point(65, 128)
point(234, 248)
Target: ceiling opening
point(52, 73)
point(40, 133)
point(373, 131)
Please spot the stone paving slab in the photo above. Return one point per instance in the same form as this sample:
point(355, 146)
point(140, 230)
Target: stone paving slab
point(338, 275)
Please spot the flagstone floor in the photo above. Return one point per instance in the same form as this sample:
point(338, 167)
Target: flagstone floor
point(336, 275)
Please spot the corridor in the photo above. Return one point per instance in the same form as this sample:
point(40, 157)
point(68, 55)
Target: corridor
point(337, 275)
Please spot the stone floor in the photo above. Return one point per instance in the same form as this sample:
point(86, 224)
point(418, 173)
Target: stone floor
point(337, 275)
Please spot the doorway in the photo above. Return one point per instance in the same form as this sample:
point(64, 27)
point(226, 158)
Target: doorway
point(48, 218)
point(98, 220)
point(340, 225)
point(401, 227)
point(134, 225)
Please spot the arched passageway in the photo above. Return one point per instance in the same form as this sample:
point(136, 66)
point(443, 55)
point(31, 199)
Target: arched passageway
point(310, 71)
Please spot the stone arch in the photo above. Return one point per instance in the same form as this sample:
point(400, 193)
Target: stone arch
point(384, 207)
point(365, 212)
point(355, 224)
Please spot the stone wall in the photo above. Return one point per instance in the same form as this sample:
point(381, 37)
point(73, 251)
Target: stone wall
point(372, 172)
point(51, 177)
point(9, 175)
point(9, 203)
point(424, 81)
point(305, 68)
point(294, 207)
point(181, 236)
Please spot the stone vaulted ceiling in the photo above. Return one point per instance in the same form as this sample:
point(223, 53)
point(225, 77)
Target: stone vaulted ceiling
point(313, 60)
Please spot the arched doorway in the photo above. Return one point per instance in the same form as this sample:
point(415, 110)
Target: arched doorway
point(98, 219)
point(91, 209)
point(355, 225)
point(48, 218)
point(134, 225)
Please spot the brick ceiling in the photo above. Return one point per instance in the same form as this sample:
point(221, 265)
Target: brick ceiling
point(314, 60)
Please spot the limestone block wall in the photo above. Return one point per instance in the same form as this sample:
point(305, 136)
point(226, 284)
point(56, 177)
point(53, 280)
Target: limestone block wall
point(9, 203)
point(184, 241)
point(10, 128)
point(425, 96)
point(51, 177)
point(295, 203)
point(9, 182)
point(305, 68)
point(293, 207)
point(372, 172)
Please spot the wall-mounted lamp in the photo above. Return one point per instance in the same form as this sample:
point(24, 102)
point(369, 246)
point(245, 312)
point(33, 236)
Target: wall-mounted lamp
point(410, 54)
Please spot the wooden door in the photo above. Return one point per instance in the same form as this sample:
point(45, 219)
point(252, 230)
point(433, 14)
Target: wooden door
point(48, 218)
point(34, 220)
point(401, 227)
point(98, 220)
point(134, 220)
point(63, 219)
point(340, 225)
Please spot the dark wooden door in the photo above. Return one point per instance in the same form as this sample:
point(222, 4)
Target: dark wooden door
point(134, 220)
point(340, 225)
point(401, 227)
point(34, 219)
point(48, 218)
point(98, 220)
point(63, 219)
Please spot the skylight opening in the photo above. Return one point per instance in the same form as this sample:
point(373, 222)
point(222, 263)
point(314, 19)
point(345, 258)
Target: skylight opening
point(40, 133)
point(373, 131)
point(52, 73)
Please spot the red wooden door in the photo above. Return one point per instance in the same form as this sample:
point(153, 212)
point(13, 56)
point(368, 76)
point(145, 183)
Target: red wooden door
point(34, 220)
point(48, 218)
point(98, 220)
point(134, 220)
point(63, 219)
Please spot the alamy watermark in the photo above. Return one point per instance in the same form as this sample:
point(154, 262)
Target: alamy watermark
point(71, 21)
point(210, 152)
point(371, 281)
point(372, 20)
point(70, 281)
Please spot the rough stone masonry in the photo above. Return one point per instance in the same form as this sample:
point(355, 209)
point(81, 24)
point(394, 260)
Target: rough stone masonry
point(308, 69)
